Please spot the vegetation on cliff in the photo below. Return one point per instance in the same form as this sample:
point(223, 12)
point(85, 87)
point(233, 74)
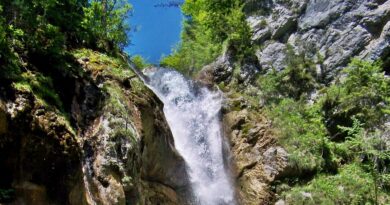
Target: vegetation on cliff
point(210, 27)
point(41, 44)
point(335, 133)
point(36, 35)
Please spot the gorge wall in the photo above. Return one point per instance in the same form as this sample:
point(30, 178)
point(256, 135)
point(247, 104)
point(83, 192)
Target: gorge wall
point(102, 137)
point(109, 144)
point(326, 33)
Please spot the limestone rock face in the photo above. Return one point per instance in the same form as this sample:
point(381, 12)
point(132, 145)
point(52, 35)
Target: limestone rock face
point(329, 33)
point(272, 56)
point(258, 161)
point(40, 157)
point(109, 143)
point(129, 153)
point(337, 30)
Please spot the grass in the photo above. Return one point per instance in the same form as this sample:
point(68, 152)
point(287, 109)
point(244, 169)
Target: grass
point(104, 64)
point(41, 86)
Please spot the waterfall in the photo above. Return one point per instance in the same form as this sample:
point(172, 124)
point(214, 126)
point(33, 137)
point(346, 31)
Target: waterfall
point(193, 114)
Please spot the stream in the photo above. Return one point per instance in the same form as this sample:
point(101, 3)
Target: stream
point(194, 116)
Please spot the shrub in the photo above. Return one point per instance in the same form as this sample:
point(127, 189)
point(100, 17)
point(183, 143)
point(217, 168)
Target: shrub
point(298, 80)
point(302, 133)
point(139, 62)
point(210, 25)
point(363, 92)
point(351, 186)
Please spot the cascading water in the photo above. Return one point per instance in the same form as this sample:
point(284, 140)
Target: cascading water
point(193, 114)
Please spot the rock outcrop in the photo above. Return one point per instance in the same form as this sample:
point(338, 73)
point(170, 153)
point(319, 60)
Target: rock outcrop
point(110, 144)
point(40, 154)
point(257, 158)
point(335, 30)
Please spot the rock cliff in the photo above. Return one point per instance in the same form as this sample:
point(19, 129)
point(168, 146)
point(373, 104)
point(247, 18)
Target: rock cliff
point(331, 32)
point(328, 33)
point(110, 144)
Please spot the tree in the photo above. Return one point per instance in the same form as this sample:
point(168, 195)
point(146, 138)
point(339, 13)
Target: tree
point(209, 26)
point(363, 92)
point(106, 23)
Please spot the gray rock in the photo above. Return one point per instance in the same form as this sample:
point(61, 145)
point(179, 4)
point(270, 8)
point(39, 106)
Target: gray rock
point(280, 202)
point(260, 28)
point(375, 20)
point(377, 48)
point(219, 71)
point(273, 56)
point(275, 160)
point(348, 44)
point(284, 24)
point(337, 30)
point(248, 72)
point(319, 13)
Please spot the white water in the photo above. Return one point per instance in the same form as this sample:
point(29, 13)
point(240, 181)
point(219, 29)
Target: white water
point(193, 114)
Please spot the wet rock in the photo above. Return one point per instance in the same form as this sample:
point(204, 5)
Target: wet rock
point(31, 194)
point(128, 145)
point(40, 155)
point(161, 161)
point(116, 148)
point(248, 143)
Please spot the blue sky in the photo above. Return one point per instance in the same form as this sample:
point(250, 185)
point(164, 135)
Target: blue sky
point(158, 29)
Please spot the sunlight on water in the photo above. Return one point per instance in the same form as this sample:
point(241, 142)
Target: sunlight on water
point(193, 114)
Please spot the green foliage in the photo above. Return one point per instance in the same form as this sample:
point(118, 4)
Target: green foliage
point(193, 52)
point(9, 68)
point(373, 148)
point(6, 195)
point(139, 62)
point(297, 80)
point(351, 186)
point(363, 91)
point(337, 138)
point(209, 26)
point(41, 86)
point(105, 22)
point(301, 131)
point(104, 64)
point(36, 34)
